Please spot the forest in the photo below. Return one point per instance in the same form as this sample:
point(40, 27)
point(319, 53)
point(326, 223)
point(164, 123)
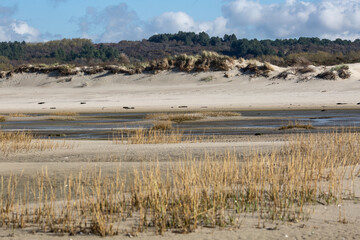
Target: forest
point(282, 52)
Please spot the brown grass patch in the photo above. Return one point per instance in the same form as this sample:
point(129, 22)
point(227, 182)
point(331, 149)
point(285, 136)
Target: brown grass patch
point(13, 142)
point(162, 125)
point(153, 136)
point(18, 115)
point(65, 113)
point(61, 118)
point(175, 117)
point(2, 119)
point(327, 75)
point(221, 114)
point(183, 117)
point(305, 70)
point(297, 125)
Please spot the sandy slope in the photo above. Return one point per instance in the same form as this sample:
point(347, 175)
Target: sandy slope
point(168, 90)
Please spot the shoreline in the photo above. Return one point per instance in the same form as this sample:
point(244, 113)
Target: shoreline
point(96, 110)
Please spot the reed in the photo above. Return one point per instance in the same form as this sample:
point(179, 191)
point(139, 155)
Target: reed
point(175, 117)
point(211, 191)
point(221, 114)
point(13, 142)
point(155, 135)
point(162, 125)
point(297, 125)
point(18, 115)
point(183, 117)
point(65, 113)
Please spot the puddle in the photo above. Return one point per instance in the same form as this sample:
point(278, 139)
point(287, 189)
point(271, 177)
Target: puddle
point(102, 125)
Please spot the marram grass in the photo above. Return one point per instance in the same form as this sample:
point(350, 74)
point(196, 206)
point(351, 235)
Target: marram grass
point(211, 191)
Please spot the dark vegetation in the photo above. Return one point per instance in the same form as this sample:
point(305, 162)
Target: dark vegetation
point(80, 52)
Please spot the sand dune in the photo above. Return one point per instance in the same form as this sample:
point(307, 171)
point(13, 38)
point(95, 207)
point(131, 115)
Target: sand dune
point(171, 90)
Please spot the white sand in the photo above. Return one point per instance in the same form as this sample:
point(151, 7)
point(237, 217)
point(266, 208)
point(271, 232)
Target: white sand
point(167, 91)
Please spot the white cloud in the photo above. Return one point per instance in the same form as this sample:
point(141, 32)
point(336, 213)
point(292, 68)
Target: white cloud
point(172, 22)
point(112, 24)
point(23, 29)
point(246, 18)
point(327, 18)
point(117, 22)
point(16, 30)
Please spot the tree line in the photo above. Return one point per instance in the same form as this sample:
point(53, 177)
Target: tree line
point(84, 51)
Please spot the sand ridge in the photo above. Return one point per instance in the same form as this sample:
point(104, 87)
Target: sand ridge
point(171, 90)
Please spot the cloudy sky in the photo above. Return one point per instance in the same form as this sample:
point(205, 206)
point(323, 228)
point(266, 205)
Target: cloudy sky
point(116, 20)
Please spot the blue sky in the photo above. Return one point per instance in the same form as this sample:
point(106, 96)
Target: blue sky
point(116, 20)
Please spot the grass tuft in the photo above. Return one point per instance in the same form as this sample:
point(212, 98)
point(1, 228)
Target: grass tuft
point(297, 125)
point(175, 117)
point(65, 113)
point(14, 142)
point(221, 114)
point(183, 117)
point(207, 79)
point(162, 125)
point(18, 115)
point(153, 136)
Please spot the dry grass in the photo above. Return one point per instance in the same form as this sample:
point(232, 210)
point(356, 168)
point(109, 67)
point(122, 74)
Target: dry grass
point(175, 117)
point(305, 70)
point(162, 125)
point(207, 79)
point(213, 191)
point(14, 142)
point(2, 119)
point(18, 115)
point(65, 113)
point(327, 75)
point(61, 118)
point(221, 114)
point(183, 117)
point(268, 66)
point(153, 136)
point(297, 125)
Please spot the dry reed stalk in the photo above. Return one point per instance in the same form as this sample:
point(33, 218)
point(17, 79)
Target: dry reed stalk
point(297, 125)
point(65, 113)
point(221, 114)
point(18, 115)
point(152, 136)
point(175, 117)
point(182, 117)
point(12, 142)
point(212, 191)
point(162, 125)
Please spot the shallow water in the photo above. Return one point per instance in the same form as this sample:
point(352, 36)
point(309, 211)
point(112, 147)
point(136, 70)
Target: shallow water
point(102, 125)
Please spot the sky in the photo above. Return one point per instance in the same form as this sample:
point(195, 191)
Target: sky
point(116, 20)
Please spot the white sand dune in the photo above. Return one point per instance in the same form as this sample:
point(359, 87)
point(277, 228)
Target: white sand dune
point(170, 90)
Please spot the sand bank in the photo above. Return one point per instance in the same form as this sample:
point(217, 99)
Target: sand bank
point(169, 91)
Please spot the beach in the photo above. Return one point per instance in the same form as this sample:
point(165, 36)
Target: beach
point(177, 92)
point(172, 90)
